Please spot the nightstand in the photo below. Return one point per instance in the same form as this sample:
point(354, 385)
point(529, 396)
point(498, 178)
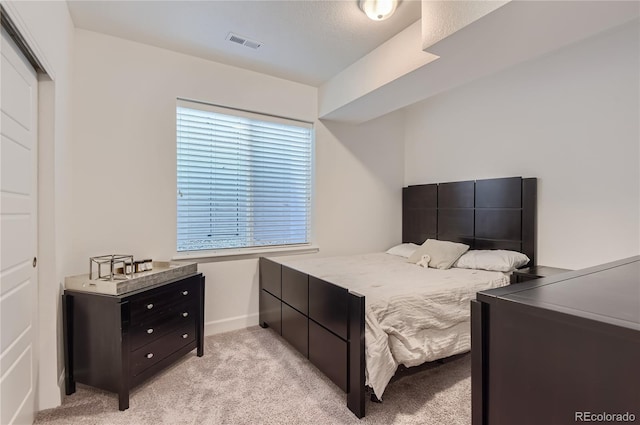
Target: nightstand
point(535, 272)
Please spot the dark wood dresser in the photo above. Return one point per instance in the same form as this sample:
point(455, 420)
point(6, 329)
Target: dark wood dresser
point(559, 350)
point(116, 342)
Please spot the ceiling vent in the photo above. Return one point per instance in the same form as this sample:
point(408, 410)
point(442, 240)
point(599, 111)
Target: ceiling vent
point(238, 39)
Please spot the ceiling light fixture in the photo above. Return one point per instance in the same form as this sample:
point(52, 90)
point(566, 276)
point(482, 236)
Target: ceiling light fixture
point(378, 10)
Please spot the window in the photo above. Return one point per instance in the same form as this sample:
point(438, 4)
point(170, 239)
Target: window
point(244, 179)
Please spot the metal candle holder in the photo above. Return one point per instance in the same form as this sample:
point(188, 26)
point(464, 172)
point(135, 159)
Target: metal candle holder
point(112, 260)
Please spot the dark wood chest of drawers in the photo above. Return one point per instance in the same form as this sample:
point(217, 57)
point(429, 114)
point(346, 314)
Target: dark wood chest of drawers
point(116, 342)
point(558, 350)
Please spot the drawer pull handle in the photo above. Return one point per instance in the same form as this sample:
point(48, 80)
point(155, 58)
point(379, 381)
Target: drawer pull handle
point(185, 314)
point(150, 330)
point(149, 306)
point(185, 292)
point(149, 355)
point(185, 336)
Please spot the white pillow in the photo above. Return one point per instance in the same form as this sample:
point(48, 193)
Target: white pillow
point(442, 254)
point(498, 260)
point(403, 250)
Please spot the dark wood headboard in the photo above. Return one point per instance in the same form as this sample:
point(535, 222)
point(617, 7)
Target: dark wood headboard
point(484, 214)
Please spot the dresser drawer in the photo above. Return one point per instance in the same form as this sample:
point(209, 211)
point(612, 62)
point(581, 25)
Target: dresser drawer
point(150, 354)
point(154, 301)
point(159, 325)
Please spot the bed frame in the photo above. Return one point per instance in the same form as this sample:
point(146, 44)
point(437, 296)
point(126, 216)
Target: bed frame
point(325, 322)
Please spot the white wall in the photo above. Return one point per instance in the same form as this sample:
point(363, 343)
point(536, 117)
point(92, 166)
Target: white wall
point(571, 119)
point(359, 185)
point(124, 163)
point(48, 29)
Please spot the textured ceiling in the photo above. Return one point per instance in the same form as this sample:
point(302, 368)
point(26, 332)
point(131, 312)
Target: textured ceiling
point(308, 41)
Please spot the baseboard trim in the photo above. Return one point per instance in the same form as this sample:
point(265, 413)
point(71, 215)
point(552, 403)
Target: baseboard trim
point(230, 324)
point(61, 379)
point(51, 402)
point(61, 384)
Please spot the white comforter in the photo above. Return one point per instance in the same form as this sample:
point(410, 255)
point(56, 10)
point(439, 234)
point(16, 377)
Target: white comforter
point(413, 314)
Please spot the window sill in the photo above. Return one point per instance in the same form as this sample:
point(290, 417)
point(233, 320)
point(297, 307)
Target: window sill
point(244, 254)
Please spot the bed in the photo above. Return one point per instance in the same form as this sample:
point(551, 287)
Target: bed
point(319, 306)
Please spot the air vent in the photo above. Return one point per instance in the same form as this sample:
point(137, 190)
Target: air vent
point(238, 39)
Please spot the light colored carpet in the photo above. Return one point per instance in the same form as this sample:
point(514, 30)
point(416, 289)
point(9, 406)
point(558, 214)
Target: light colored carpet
point(252, 376)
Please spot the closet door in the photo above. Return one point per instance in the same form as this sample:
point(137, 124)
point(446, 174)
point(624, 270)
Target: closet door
point(18, 234)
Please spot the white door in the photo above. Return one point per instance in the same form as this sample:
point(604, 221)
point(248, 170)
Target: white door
point(18, 234)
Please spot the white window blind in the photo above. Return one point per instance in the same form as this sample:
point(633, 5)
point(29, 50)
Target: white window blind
point(244, 179)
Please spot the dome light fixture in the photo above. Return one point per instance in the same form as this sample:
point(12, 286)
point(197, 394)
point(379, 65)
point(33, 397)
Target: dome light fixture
point(378, 10)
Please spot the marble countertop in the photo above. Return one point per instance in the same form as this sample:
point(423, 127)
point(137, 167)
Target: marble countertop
point(163, 271)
